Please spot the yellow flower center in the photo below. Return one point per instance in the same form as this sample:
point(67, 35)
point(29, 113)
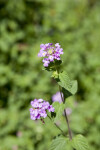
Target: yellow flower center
point(50, 51)
point(44, 54)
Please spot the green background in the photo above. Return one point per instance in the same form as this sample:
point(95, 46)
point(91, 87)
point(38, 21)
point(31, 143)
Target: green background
point(24, 25)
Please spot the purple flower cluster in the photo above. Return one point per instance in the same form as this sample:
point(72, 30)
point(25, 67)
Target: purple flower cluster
point(39, 109)
point(50, 53)
point(57, 97)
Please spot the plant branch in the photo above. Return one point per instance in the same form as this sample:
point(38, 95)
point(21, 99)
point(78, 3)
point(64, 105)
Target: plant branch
point(69, 130)
point(62, 98)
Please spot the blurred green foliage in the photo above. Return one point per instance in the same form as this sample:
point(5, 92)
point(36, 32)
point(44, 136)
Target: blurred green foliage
point(24, 25)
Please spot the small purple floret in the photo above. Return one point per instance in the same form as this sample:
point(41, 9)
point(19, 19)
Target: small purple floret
point(39, 110)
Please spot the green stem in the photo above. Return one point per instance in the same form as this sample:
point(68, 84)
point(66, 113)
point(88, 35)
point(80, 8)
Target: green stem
point(69, 130)
point(57, 126)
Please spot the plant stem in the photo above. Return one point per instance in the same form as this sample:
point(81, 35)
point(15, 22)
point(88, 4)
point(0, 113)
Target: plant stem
point(69, 130)
point(62, 98)
point(57, 126)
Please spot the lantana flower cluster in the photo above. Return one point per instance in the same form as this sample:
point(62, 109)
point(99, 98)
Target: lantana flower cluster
point(50, 53)
point(39, 110)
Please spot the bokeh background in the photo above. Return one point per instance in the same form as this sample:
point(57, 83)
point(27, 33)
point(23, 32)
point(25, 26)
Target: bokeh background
point(24, 25)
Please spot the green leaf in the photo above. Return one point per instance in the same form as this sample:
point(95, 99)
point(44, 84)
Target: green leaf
point(60, 143)
point(79, 142)
point(59, 108)
point(69, 87)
